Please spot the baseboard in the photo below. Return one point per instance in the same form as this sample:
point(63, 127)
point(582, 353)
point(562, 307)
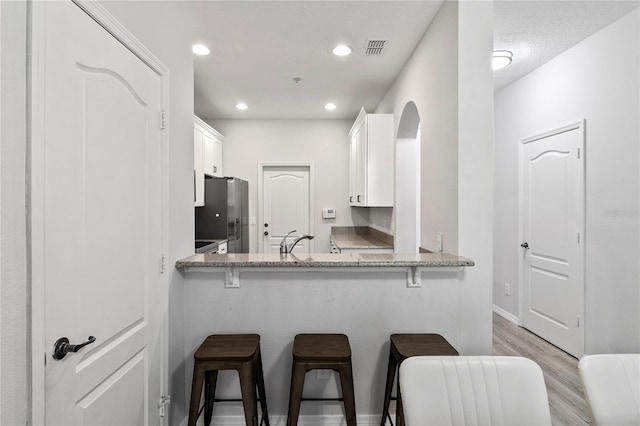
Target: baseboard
point(281, 420)
point(506, 315)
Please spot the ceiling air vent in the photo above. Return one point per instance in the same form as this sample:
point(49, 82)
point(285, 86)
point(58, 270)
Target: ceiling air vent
point(374, 47)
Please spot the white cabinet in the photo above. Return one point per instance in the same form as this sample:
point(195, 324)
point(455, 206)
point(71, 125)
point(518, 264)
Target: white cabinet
point(212, 153)
point(198, 167)
point(371, 161)
point(207, 157)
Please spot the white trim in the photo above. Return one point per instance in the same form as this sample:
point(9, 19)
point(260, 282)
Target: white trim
point(506, 315)
point(577, 125)
point(1, 211)
point(557, 131)
point(312, 198)
point(35, 193)
point(200, 122)
point(35, 196)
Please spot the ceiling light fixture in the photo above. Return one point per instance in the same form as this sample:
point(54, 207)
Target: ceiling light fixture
point(242, 106)
point(500, 59)
point(330, 106)
point(200, 49)
point(341, 50)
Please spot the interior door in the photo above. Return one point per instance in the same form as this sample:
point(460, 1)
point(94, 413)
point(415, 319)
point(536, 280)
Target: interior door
point(552, 176)
point(102, 226)
point(286, 198)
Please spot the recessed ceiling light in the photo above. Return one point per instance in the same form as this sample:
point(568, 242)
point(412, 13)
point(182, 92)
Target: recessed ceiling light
point(341, 50)
point(330, 106)
point(200, 49)
point(500, 59)
point(242, 106)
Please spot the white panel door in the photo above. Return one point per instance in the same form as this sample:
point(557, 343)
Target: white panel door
point(102, 225)
point(286, 199)
point(552, 176)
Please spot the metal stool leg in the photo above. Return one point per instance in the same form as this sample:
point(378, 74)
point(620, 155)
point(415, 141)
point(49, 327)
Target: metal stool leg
point(249, 398)
point(261, 390)
point(391, 375)
point(210, 379)
point(298, 371)
point(346, 382)
point(196, 390)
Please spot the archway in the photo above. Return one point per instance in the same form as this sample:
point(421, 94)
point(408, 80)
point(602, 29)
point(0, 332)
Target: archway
point(407, 205)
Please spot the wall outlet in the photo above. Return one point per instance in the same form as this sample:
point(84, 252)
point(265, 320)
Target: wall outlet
point(323, 374)
point(507, 289)
point(439, 241)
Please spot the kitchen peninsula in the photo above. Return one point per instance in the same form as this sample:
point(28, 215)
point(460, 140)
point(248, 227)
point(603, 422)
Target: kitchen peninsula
point(365, 296)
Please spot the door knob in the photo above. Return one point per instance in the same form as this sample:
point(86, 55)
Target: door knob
point(62, 347)
point(266, 225)
point(266, 233)
point(525, 245)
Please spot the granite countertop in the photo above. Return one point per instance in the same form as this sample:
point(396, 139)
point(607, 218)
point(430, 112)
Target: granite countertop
point(245, 260)
point(360, 237)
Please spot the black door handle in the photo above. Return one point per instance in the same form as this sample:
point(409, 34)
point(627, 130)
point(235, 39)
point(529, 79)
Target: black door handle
point(525, 245)
point(62, 347)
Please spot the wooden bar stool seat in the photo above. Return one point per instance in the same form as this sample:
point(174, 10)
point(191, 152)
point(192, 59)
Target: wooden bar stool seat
point(401, 347)
point(240, 352)
point(321, 351)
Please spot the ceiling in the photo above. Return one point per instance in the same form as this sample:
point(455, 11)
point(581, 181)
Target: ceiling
point(260, 48)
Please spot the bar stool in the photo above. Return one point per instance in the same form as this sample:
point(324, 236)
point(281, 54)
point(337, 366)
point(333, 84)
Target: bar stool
point(239, 352)
point(321, 351)
point(401, 347)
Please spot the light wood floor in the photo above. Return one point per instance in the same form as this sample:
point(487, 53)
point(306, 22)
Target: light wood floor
point(560, 370)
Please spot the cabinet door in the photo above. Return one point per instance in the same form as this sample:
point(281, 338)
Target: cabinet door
point(209, 154)
point(353, 165)
point(217, 158)
point(198, 167)
point(361, 166)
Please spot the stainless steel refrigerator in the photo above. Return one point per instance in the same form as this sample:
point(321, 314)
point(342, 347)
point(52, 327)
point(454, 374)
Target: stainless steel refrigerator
point(225, 214)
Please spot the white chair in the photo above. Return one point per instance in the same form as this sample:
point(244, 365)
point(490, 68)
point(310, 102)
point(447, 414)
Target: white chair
point(473, 390)
point(612, 388)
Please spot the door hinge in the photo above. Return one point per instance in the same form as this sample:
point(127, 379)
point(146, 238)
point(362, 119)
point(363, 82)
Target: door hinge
point(164, 401)
point(578, 153)
point(578, 322)
point(163, 263)
point(578, 237)
point(163, 120)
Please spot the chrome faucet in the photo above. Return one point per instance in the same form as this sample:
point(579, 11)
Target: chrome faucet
point(288, 248)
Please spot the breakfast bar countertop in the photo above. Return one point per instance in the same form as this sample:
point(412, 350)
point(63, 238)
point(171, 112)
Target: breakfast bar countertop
point(324, 260)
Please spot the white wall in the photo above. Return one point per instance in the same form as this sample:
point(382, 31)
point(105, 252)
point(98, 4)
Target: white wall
point(449, 79)
point(14, 344)
point(323, 142)
point(165, 28)
point(430, 80)
point(596, 80)
point(475, 166)
point(407, 195)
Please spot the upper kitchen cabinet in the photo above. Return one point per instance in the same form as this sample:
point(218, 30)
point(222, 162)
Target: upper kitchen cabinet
point(207, 156)
point(371, 159)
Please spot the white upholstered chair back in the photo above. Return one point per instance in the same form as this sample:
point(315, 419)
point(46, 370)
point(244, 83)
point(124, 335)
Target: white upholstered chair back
point(473, 390)
point(612, 388)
